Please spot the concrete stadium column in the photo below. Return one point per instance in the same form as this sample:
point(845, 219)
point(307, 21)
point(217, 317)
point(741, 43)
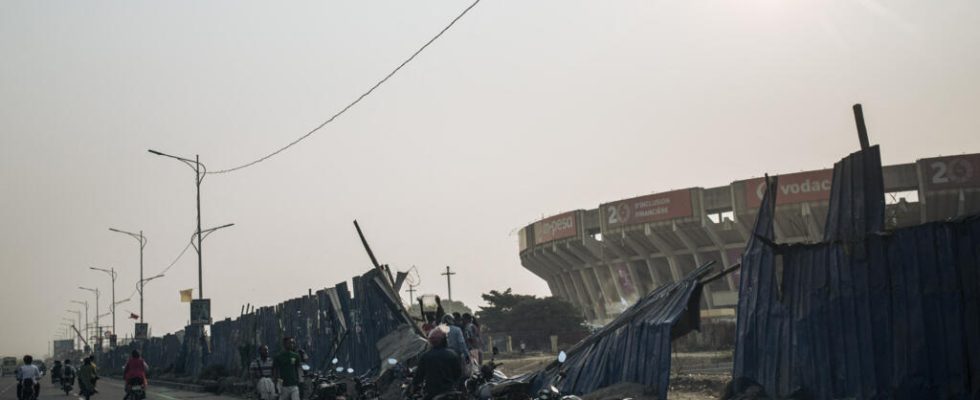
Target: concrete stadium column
point(617, 286)
point(698, 261)
point(596, 248)
point(651, 269)
point(590, 299)
point(642, 251)
point(595, 291)
point(565, 293)
point(624, 257)
point(720, 244)
point(675, 267)
point(584, 303)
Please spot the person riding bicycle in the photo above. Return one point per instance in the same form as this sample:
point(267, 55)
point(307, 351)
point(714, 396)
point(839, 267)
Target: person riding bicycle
point(135, 371)
point(28, 374)
point(440, 368)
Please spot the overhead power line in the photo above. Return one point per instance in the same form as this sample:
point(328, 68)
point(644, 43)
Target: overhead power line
point(357, 100)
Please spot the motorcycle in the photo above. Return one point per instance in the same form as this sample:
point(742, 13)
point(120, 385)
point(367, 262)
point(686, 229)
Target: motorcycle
point(551, 391)
point(326, 387)
point(27, 391)
point(135, 390)
point(481, 384)
point(66, 385)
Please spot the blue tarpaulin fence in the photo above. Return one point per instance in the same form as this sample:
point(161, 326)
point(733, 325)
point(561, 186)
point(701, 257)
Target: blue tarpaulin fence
point(635, 347)
point(864, 314)
point(328, 323)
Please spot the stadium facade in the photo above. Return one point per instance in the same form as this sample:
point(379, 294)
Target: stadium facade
point(603, 259)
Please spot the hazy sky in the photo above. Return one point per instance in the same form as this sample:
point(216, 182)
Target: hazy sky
point(524, 109)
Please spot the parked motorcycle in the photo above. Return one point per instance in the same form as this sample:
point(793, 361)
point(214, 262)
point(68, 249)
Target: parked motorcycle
point(551, 392)
point(326, 387)
point(481, 384)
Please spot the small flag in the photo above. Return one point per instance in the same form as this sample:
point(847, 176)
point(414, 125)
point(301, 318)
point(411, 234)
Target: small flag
point(186, 295)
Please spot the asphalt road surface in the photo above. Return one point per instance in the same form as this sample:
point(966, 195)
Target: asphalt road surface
point(109, 389)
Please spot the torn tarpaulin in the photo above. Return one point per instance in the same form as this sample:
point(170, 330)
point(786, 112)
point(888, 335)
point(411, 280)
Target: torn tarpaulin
point(864, 314)
point(635, 347)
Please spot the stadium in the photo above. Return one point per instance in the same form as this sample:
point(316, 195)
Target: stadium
point(603, 259)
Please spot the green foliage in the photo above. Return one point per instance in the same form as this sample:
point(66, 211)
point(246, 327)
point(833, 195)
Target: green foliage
point(525, 315)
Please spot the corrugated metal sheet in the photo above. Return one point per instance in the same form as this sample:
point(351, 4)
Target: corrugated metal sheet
point(864, 314)
point(635, 347)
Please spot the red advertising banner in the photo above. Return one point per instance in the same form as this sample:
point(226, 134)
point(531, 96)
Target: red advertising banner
point(651, 208)
point(800, 187)
point(560, 226)
point(953, 172)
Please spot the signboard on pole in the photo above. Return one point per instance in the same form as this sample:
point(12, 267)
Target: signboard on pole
point(140, 332)
point(953, 172)
point(201, 312)
point(800, 187)
point(560, 226)
point(63, 347)
point(650, 208)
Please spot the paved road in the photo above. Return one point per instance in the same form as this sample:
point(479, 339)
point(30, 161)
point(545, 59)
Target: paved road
point(109, 389)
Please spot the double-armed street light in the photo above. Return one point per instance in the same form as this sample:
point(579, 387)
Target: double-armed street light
point(142, 242)
point(112, 275)
point(199, 172)
point(98, 329)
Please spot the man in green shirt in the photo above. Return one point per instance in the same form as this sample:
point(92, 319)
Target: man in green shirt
point(286, 367)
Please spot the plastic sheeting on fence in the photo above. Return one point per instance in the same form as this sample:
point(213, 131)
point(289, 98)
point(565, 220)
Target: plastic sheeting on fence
point(635, 347)
point(331, 323)
point(864, 314)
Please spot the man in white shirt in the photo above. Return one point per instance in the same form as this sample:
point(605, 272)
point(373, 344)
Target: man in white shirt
point(28, 374)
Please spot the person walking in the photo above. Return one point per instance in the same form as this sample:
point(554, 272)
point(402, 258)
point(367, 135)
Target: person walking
point(261, 369)
point(285, 368)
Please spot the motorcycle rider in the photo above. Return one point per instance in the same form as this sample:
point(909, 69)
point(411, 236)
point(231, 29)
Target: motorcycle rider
point(135, 371)
point(67, 373)
point(88, 375)
point(28, 374)
point(56, 373)
point(261, 369)
point(439, 368)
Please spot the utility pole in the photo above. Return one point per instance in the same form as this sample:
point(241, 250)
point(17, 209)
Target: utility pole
point(84, 303)
point(449, 283)
point(411, 293)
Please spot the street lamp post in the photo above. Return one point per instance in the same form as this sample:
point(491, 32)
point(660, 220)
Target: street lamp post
point(142, 241)
point(98, 329)
point(198, 177)
point(84, 303)
point(199, 172)
point(112, 275)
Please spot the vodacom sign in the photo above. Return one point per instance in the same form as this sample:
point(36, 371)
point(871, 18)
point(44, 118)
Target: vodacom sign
point(800, 187)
